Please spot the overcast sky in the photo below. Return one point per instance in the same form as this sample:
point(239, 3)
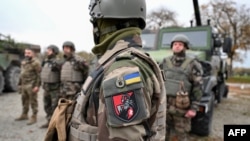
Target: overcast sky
point(47, 22)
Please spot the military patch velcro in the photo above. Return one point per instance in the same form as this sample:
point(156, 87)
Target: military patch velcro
point(132, 78)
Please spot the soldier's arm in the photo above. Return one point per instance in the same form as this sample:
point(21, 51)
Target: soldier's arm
point(133, 92)
point(84, 66)
point(37, 67)
point(197, 81)
point(57, 65)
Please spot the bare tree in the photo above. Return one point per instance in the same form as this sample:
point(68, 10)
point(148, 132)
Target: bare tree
point(231, 19)
point(161, 18)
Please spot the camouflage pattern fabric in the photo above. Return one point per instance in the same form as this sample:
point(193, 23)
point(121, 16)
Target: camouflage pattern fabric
point(68, 90)
point(50, 98)
point(29, 98)
point(30, 78)
point(178, 125)
point(125, 105)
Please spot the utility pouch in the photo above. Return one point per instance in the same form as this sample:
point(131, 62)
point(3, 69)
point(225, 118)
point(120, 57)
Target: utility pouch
point(182, 98)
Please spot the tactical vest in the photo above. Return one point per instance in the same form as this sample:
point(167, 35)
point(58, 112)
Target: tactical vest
point(177, 75)
point(70, 74)
point(49, 76)
point(80, 130)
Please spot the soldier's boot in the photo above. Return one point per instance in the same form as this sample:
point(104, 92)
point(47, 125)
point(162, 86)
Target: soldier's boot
point(32, 120)
point(46, 125)
point(22, 117)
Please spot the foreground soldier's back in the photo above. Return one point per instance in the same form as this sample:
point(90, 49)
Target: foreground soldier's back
point(124, 98)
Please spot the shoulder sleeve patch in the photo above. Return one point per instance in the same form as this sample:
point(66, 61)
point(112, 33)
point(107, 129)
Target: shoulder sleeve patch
point(132, 78)
point(124, 97)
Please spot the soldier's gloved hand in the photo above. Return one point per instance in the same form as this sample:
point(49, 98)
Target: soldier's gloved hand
point(190, 113)
point(54, 66)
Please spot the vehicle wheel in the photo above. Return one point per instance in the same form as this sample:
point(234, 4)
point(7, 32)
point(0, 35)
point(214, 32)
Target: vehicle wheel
point(202, 123)
point(12, 78)
point(1, 82)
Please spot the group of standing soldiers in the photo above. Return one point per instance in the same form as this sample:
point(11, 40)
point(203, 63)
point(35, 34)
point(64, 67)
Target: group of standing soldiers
point(60, 78)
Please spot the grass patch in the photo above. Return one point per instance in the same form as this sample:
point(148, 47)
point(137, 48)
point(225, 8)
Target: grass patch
point(239, 79)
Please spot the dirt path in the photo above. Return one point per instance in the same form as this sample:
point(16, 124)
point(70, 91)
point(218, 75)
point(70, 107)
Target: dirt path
point(233, 110)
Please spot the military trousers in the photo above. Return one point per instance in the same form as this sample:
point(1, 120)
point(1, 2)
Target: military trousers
point(178, 126)
point(29, 98)
point(50, 98)
point(70, 89)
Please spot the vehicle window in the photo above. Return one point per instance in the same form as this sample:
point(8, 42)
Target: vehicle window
point(148, 40)
point(197, 38)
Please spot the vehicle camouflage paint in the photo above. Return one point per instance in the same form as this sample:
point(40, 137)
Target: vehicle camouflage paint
point(211, 49)
point(11, 54)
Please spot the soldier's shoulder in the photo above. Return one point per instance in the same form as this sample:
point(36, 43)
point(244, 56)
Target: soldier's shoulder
point(36, 61)
point(133, 59)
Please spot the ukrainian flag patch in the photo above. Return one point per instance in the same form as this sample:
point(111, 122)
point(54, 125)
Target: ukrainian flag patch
point(132, 78)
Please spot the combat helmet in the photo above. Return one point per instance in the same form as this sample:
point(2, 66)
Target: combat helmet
point(181, 38)
point(54, 48)
point(69, 44)
point(117, 9)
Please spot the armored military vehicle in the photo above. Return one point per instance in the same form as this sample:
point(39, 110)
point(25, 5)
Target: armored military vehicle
point(11, 54)
point(211, 49)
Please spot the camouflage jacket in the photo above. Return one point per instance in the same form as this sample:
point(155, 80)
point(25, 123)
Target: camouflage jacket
point(125, 105)
point(30, 72)
point(193, 76)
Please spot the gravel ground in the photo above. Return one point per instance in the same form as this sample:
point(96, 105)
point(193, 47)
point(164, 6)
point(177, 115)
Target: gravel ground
point(233, 110)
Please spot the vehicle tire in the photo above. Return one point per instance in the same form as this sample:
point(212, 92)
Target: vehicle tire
point(12, 78)
point(202, 122)
point(1, 82)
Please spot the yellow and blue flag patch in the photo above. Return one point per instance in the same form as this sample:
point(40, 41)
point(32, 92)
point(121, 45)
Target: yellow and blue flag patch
point(132, 78)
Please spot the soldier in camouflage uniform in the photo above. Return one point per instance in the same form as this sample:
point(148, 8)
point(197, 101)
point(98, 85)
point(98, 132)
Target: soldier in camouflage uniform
point(29, 83)
point(183, 88)
point(50, 77)
point(73, 73)
point(122, 99)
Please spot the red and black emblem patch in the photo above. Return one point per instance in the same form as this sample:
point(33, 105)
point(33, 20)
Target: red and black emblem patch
point(124, 106)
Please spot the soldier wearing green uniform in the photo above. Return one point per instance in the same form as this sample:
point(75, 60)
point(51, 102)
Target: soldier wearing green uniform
point(123, 99)
point(50, 77)
point(73, 73)
point(29, 82)
point(183, 88)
